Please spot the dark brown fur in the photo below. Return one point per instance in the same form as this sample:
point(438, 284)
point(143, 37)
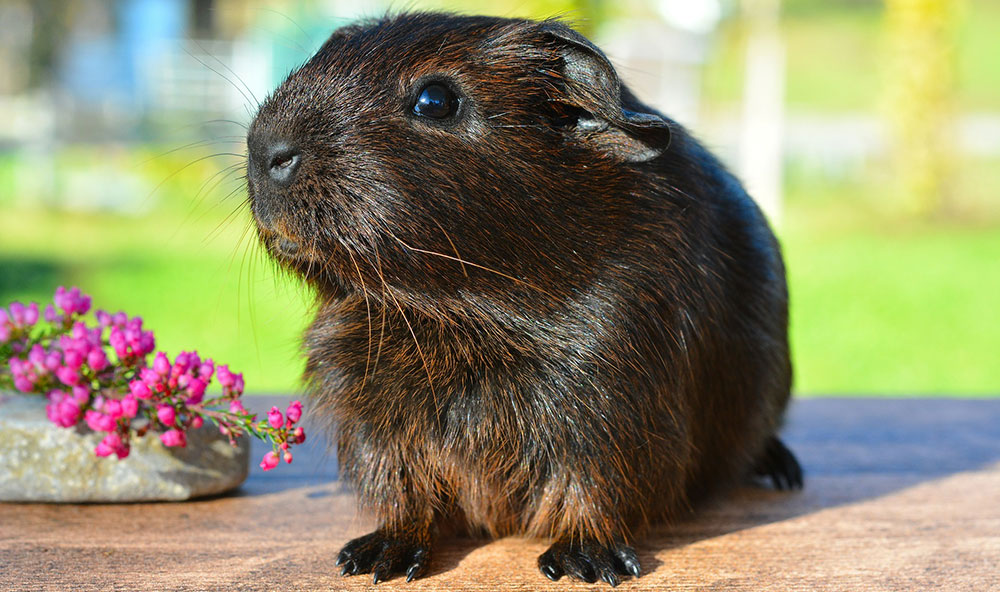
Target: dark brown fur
point(557, 315)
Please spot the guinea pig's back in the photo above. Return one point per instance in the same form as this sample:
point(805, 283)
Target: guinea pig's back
point(730, 309)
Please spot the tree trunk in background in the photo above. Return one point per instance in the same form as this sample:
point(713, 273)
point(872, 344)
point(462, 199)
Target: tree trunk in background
point(922, 36)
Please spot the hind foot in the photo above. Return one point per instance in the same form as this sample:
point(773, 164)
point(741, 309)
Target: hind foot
point(589, 560)
point(383, 555)
point(779, 464)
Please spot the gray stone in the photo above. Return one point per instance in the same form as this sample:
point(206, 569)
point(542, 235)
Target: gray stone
point(42, 462)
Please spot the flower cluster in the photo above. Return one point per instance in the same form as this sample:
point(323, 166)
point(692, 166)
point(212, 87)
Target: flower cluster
point(283, 424)
point(101, 375)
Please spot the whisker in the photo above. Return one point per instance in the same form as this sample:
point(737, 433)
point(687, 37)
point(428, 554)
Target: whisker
point(454, 248)
point(476, 265)
point(221, 75)
point(364, 290)
point(308, 39)
point(230, 70)
point(416, 343)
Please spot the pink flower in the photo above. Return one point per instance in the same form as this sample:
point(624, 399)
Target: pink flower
point(72, 301)
point(274, 418)
point(294, 412)
point(50, 314)
point(270, 461)
point(196, 389)
point(238, 384)
point(117, 340)
point(298, 436)
point(52, 361)
point(150, 377)
point(104, 448)
point(206, 369)
point(62, 409)
point(68, 376)
point(288, 457)
point(236, 407)
point(173, 438)
point(17, 311)
point(37, 356)
point(182, 362)
point(146, 343)
point(99, 422)
point(197, 422)
point(161, 365)
point(73, 359)
point(31, 314)
point(112, 443)
point(113, 407)
point(130, 405)
point(139, 389)
point(97, 359)
point(81, 394)
point(23, 384)
point(166, 414)
point(226, 378)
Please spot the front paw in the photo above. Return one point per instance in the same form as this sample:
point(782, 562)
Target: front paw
point(589, 560)
point(384, 554)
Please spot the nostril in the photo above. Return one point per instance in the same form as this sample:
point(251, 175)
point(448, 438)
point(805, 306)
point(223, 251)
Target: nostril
point(282, 163)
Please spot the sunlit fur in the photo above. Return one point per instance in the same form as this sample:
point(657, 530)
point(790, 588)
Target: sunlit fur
point(518, 326)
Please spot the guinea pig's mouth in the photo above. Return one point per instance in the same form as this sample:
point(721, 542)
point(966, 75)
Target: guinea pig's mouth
point(285, 248)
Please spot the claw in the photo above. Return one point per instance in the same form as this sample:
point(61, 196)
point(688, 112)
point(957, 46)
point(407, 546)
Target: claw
point(589, 561)
point(412, 572)
point(611, 578)
point(383, 555)
point(551, 572)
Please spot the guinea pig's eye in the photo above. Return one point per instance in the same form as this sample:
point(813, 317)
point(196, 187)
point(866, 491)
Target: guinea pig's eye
point(435, 101)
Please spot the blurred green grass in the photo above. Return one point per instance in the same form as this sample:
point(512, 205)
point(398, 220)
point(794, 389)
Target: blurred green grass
point(188, 266)
point(835, 54)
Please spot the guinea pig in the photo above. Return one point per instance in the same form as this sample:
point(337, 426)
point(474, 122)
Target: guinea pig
point(542, 307)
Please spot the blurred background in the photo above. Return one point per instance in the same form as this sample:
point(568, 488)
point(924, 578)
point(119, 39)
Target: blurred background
point(868, 130)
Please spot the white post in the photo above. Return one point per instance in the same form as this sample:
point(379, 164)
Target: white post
point(761, 148)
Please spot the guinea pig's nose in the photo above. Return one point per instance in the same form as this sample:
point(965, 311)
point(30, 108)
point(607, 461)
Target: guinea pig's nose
point(281, 161)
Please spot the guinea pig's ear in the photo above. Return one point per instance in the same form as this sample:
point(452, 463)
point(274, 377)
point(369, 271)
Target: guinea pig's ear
point(614, 120)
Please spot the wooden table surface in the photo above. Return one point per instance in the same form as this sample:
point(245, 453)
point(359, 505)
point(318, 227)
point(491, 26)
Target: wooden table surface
point(901, 494)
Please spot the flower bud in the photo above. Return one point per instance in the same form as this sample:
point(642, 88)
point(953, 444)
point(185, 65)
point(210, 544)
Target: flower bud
point(139, 389)
point(225, 377)
point(236, 407)
point(99, 422)
point(113, 407)
point(161, 365)
point(270, 461)
point(97, 360)
point(130, 405)
point(68, 376)
point(31, 314)
point(173, 438)
point(166, 414)
point(274, 418)
point(294, 412)
point(17, 311)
